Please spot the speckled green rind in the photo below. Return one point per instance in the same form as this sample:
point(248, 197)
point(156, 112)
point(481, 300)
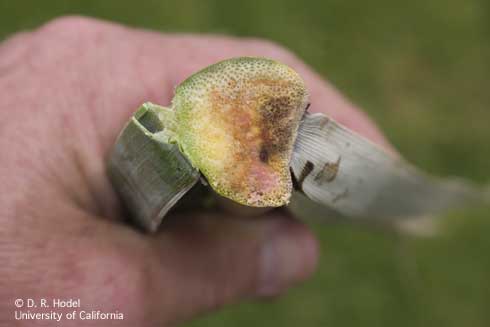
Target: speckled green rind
point(237, 122)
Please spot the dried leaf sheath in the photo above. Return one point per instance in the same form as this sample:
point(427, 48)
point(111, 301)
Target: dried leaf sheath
point(150, 173)
point(344, 171)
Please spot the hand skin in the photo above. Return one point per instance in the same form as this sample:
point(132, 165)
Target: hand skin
point(67, 90)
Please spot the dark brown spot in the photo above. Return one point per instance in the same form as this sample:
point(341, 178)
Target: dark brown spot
point(307, 106)
point(328, 172)
point(263, 155)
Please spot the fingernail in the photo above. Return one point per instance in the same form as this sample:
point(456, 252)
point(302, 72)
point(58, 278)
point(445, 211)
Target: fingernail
point(289, 255)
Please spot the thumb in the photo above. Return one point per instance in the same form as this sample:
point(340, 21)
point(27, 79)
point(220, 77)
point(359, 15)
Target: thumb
point(208, 261)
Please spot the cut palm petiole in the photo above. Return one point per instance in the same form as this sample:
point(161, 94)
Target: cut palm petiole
point(241, 125)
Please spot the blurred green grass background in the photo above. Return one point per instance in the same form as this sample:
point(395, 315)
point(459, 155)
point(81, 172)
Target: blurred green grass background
point(421, 69)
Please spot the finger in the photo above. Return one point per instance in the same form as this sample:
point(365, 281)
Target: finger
point(196, 263)
point(208, 261)
point(57, 251)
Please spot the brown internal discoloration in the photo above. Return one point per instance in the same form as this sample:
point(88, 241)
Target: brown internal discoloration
point(263, 155)
point(260, 117)
point(276, 123)
point(329, 171)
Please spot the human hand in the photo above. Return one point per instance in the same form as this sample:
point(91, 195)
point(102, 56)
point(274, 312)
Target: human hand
point(68, 88)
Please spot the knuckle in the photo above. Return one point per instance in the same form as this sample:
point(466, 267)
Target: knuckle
point(15, 49)
point(69, 38)
point(70, 25)
point(17, 39)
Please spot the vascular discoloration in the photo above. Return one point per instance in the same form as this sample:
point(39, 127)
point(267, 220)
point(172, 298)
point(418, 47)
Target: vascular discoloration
point(261, 125)
point(277, 117)
point(329, 171)
point(260, 116)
